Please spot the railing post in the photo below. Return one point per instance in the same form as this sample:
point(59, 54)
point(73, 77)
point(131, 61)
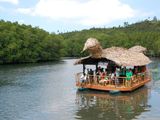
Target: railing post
point(131, 81)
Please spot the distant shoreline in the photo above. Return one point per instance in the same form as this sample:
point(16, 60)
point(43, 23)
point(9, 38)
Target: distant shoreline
point(60, 60)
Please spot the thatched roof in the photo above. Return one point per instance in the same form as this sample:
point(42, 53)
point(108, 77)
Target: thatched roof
point(127, 58)
point(113, 52)
point(121, 56)
point(138, 48)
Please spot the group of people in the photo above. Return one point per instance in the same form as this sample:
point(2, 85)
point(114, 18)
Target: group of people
point(116, 75)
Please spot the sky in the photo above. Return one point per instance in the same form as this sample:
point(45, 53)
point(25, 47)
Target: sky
point(71, 15)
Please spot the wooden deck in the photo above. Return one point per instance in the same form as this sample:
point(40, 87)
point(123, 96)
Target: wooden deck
point(120, 87)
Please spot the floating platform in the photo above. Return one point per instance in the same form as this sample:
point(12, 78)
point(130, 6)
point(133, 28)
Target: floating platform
point(113, 87)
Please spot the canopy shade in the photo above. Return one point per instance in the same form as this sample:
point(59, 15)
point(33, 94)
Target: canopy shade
point(117, 55)
point(91, 61)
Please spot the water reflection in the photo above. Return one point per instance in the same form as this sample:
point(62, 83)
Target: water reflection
point(14, 75)
point(47, 91)
point(93, 105)
point(154, 67)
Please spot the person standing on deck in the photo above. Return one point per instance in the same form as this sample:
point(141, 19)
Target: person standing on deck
point(123, 72)
point(117, 76)
point(129, 75)
point(83, 79)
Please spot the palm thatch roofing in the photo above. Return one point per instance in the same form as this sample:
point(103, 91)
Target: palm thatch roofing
point(118, 55)
point(138, 48)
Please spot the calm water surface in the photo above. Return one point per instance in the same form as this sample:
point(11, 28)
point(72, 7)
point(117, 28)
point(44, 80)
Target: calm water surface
point(46, 91)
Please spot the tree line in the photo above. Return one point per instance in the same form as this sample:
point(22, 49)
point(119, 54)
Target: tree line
point(24, 43)
point(145, 33)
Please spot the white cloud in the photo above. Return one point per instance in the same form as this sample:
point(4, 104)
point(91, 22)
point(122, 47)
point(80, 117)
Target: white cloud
point(86, 12)
point(21, 22)
point(25, 10)
point(11, 1)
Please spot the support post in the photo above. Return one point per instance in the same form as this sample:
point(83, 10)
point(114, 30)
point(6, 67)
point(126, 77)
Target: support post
point(84, 67)
point(96, 67)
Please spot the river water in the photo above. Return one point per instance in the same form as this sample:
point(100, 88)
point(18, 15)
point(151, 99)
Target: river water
point(47, 91)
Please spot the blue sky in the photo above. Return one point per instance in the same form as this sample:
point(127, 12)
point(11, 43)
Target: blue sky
point(70, 15)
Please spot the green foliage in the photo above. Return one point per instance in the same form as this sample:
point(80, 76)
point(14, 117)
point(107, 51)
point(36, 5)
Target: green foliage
point(23, 43)
point(145, 33)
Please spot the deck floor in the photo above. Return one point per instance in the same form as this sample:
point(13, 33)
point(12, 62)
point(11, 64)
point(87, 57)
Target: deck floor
point(120, 87)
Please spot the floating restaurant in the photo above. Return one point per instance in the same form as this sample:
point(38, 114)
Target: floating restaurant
point(116, 68)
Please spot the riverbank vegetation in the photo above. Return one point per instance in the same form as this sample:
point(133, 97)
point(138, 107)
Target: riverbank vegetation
point(24, 43)
point(145, 33)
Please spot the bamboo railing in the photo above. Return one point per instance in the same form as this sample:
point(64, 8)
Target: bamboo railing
point(115, 81)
